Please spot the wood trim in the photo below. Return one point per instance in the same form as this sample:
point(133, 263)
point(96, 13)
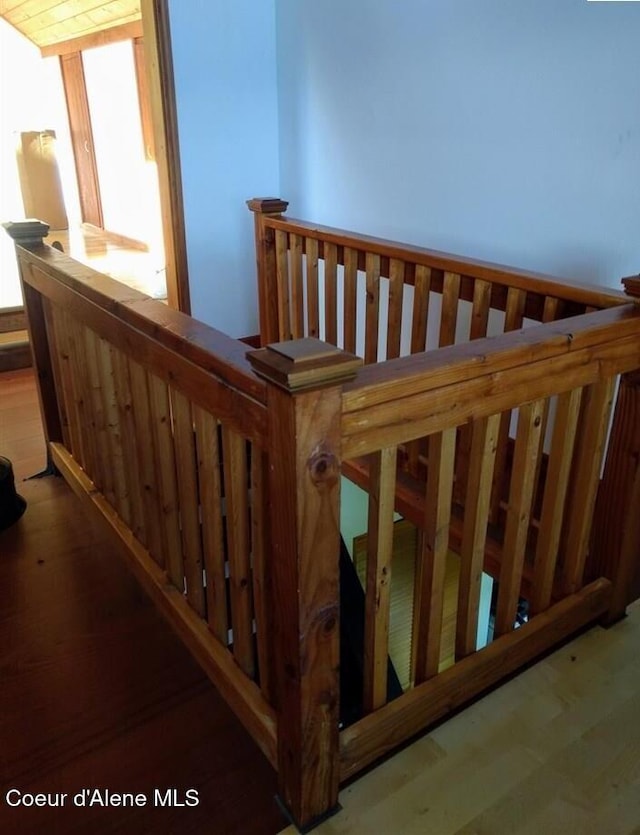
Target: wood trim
point(124, 32)
point(12, 319)
point(75, 91)
point(144, 99)
point(159, 68)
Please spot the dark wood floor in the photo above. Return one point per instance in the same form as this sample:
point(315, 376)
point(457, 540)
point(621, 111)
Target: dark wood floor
point(95, 691)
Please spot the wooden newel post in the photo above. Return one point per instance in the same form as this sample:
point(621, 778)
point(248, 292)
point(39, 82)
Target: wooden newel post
point(266, 265)
point(615, 551)
point(30, 234)
point(304, 405)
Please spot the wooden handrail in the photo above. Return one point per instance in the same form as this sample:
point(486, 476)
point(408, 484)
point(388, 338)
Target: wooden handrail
point(541, 283)
point(414, 396)
point(205, 363)
point(196, 341)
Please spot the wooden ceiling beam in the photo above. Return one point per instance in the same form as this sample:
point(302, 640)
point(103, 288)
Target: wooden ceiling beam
point(124, 32)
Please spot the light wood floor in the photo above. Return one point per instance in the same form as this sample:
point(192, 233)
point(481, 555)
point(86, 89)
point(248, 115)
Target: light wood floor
point(555, 751)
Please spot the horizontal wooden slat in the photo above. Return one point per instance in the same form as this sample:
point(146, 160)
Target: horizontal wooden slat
point(375, 735)
point(498, 388)
point(406, 376)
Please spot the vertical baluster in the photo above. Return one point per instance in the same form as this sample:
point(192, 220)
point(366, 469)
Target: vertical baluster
point(480, 309)
point(282, 273)
point(350, 298)
point(260, 571)
point(484, 438)
point(189, 501)
point(82, 398)
point(330, 293)
point(421, 296)
point(592, 435)
point(514, 314)
point(478, 330)
point(297, 296)
point(101, 474)
point(70, 407)
point(373, 308)
point(525, 457)
point(234, 456)
point(449, 316)
point(549, 313)
point(149, 478)
point(210, 483)
point(129, 446)
point(103, 450)
point(394, 324)
point(165, 468)
point(432, 559)
point(553, 504)
point(378, 585)
point(313, 304)
point(113, 430)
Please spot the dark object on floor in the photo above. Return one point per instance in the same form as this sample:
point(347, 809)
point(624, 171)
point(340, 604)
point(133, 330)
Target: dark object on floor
point(12, 506)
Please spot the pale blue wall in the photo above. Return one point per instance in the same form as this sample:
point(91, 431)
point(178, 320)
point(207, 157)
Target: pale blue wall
point(504, 129)
point(224, 58)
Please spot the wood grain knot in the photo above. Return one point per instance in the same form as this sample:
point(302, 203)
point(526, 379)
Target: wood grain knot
point(323, 468)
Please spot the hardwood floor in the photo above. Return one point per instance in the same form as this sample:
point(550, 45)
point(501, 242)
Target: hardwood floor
point(21, 438)
point(95, 690)
point(555, 751)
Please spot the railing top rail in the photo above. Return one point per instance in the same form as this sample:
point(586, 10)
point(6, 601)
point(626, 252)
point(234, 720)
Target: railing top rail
point(400, 399)
point(129, 318)
point(547, 285)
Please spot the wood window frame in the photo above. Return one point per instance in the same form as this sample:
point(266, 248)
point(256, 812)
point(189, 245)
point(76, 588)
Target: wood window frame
point(154, 71)
point(75, 91)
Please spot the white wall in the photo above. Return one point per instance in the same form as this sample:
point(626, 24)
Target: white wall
point(502, 129)
point(224, 57)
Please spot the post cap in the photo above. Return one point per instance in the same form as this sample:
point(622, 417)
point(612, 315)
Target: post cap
point(26, 232)
point(304, 364)
point(268, 205)
point(632, 285)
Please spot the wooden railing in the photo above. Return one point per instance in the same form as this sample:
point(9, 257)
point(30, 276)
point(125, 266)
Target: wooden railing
point(160, 425)
point(218, 475)
point(566, 371)
point(382, 299)
point(492, 444)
